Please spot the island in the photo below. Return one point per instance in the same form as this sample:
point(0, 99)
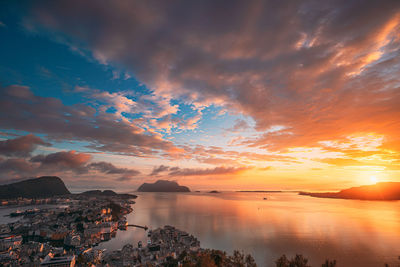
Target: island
point(260, 191)
point(45, 186)
point(109, 193)
point(214, 192)
point(163, 186)
point(379, 191)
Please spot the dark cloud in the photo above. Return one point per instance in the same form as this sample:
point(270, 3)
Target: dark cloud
point(176, 171)
point(208, 172)
point(159, 169)
point(108, 168)
point(20, 109)
point(322, 69)
point(239, 126)
point(21, 146)
point(17, 165)
point(63, 161)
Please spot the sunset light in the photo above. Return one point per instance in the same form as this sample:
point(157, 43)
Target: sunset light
point(267, 130)
point(373, 179)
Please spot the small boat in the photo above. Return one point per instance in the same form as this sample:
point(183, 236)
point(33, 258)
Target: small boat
point(139, 244)
point(17, 213)
point(122, 225)
point(265, 198)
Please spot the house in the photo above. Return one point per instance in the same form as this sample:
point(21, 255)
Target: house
point(58, 261)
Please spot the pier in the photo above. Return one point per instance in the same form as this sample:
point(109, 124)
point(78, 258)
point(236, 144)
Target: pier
point(138, 226)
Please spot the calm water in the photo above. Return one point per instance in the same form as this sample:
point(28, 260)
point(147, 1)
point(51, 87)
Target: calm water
point(6, 210)
point(355, 233)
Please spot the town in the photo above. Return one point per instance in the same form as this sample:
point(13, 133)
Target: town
point(68, 235)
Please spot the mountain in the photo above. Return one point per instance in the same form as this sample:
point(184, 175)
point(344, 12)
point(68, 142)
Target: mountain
point(45, 186)
point(100, 193)
point(107, 193)
point(379, 191)
point(163, 186)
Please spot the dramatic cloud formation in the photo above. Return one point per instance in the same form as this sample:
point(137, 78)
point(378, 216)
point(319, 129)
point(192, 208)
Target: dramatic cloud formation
point(218, 85)
point(108, 168)
point(176, 171)
point(321, 69)
point(15, 166)
point(21, 146)
point(63, 161)
point(20, 109)
point(57, 163)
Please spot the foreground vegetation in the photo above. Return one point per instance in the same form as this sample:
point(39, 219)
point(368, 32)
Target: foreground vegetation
point(218, 258)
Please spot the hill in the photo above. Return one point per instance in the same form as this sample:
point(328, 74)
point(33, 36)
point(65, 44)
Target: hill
point(379, 191)
point(45, 186)
point(163, 186)
point(107, 193)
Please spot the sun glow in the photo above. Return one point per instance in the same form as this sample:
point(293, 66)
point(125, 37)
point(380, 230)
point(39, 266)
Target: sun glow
point(373, 179)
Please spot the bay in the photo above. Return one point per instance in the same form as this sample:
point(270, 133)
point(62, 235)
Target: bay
point(354, 232)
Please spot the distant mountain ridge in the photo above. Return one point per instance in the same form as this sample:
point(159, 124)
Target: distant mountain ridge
point(163, 186)
point(107, 193)
point(45, 186)
point(379, 191)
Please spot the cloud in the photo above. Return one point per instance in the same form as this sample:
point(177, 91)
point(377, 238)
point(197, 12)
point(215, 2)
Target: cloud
point(109, 168)
point(176, 171)
point(21, 146)
point(70, 160)
point(321, 69)
point(208, 172)
point(21, 110)
point(65, 164)
point(240, 125)
point(159, 169)
point(15, 165)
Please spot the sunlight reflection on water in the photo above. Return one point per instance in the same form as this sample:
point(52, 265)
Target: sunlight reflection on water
point(355, 233)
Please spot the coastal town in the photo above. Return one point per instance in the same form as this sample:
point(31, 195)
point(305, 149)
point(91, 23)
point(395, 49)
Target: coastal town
point(69, 233)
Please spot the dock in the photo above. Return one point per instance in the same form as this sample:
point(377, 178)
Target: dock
point(138, 226)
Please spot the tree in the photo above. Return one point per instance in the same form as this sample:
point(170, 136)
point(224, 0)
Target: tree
point(329, 263)
point(282, 261)
point(205, 260)
point(250, 262)
point(238, 258)
point(299, 261)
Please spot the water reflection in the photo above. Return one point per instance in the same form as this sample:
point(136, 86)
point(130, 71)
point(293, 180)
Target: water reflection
point(356, 233)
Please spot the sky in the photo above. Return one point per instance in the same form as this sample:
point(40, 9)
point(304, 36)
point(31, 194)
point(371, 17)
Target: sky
point(228, 95)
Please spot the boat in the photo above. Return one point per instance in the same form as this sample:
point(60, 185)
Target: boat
point(139, 244)
point(16, 213)
point(122, 225)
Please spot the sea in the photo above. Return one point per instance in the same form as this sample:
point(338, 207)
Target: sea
point(353, 232)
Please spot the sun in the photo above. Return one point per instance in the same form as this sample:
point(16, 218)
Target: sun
point(373, 179)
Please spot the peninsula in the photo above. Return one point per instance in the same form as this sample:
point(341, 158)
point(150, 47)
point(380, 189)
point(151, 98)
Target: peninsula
point(163, 186)
point(379, 191)
point(45, 186)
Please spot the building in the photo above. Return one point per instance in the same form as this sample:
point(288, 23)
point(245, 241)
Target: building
point(58, 261)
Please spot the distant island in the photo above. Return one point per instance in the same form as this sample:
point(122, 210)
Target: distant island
point(163, 186)
point(379, 191)
point(259, 191)
point(214, 192)
point(107, 193)
point(45, 186)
